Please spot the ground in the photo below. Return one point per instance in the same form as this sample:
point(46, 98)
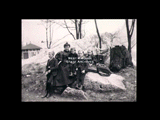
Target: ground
point(33, 90)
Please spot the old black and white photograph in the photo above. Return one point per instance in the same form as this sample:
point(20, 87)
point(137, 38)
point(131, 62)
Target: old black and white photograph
point(78, 60)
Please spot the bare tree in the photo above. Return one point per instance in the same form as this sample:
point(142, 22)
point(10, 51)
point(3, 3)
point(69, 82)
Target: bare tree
point(98, 33)
point(68, 29)
point(47, 24)
point(129, 33)
point(76, 24)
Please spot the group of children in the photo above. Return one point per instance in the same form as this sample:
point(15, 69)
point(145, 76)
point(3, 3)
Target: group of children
point(78, 66)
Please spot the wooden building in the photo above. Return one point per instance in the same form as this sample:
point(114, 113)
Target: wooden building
point(30, 50)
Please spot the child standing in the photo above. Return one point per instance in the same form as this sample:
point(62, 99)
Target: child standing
point(72, 57)
point(51, 72)
point(82, 69)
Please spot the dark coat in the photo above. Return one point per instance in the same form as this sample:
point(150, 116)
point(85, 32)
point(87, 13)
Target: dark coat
point(53, 66)
point(72, 58)
point(82, 64)
point(62, 77)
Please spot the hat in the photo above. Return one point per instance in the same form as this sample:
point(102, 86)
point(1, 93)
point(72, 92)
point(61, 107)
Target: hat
point(66, 44)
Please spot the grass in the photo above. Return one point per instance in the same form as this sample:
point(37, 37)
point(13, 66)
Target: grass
point(33, 87)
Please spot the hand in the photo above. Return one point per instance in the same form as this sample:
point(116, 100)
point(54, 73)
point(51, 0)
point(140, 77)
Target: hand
point(83, 71)
point(49, 71)
point(90, 64)
point(97, 64)
point(46, 72)
point(76, 68)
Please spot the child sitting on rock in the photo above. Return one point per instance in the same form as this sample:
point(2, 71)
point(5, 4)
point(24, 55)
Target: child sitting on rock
point(72, 58)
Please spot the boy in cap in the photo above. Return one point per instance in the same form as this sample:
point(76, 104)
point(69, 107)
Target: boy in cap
point(51, 72)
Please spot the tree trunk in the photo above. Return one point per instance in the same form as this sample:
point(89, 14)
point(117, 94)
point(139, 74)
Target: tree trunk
point(129, 36)
point(98, 33)
point(47, 34)
point(80, 29)
point(77, 32)
point(129, 45)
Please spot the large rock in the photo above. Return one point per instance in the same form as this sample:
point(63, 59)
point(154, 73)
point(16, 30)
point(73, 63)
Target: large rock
point(78, 94)
point(95, 82)
point(32, 68)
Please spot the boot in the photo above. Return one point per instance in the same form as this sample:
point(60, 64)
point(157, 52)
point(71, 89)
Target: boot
point(45, 95)
point(75, 73)
point(77, 86)
point(71, 74)
point(48, 95)
point(80, 88)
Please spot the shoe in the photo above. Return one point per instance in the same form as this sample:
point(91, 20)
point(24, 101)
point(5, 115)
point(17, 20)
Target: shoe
point(45, 95)
point(48, 95)
point(75, 73)
point(77, 86)
point(80, 88)
point(71, 74)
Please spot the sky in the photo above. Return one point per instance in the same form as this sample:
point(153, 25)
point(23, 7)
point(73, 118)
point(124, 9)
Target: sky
point(33, 30)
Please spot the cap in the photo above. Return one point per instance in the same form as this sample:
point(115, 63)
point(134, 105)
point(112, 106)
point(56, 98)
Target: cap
point(66, 44)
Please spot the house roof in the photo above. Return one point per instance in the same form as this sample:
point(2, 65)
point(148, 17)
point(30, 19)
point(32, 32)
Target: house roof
point(30, 46)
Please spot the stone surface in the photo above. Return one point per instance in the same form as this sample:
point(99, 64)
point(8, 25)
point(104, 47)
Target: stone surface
point(76, 94)
point(95, 82)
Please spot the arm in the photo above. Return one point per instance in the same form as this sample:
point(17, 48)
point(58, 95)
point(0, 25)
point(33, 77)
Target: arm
point(47, 66)
point(55, 65)
point(58, 56)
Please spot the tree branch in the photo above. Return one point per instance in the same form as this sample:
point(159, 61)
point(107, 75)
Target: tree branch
point(131, 32)
point(68, 29)
point(72, 21)
point(127, 27)
point(133, 45)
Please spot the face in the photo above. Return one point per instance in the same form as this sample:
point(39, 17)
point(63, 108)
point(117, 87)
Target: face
point(50, 55)
point(98, 52)
point(80, 53)
point(66, 48)
point(89, 52)
point(73, 50)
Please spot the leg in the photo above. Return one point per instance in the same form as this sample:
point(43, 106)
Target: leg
point(71, 70)
point(47, 89)
point(74, 69)
point(81, 81)
point(78, 77)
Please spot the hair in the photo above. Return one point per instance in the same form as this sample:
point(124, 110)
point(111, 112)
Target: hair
point(73, 48)
point(81, 50)
point(52, 52)
point(66, 44)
